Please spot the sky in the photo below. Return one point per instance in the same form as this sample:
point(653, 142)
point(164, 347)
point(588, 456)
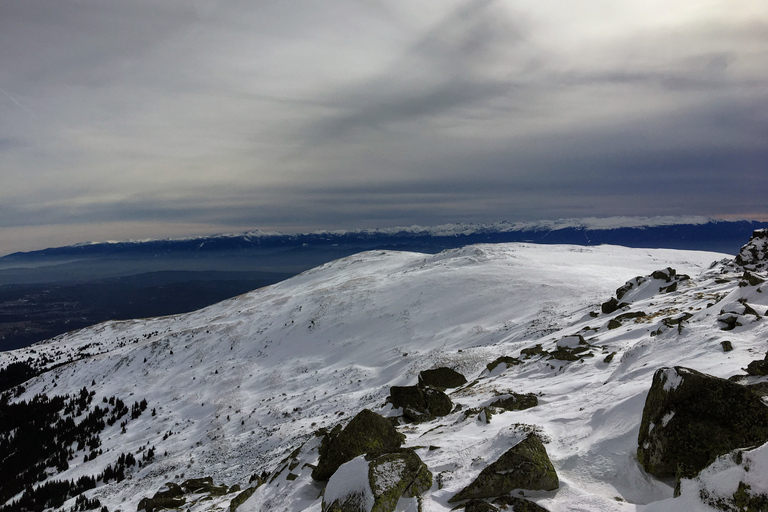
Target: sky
point(146, 118)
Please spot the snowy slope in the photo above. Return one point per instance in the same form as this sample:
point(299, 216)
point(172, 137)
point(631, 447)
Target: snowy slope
point(241, 384)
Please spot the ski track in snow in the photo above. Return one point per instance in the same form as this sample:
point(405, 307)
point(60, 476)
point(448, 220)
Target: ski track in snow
point(242, 383)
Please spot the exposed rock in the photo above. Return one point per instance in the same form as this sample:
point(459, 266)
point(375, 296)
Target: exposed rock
point(479, 506)
point(169, 496)
point(609, 306)
point(367, 432)
point(609, 357)
point(690, 418)
point(727, 345)
point(375, 483)
point(420, 403)
point(524, 466)
point(613, 324)
point(519, 504)
point(754, 255)
point(533, 351)
point(516, 402)
point(441, 378)
point(758, 367)
point(506, 360)
point(241, 498)
point(203, 485)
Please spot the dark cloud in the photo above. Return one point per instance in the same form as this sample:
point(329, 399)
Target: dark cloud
point(308, 115)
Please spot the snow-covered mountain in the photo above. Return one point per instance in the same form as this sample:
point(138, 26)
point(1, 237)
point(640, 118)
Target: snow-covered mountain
point(246, 391)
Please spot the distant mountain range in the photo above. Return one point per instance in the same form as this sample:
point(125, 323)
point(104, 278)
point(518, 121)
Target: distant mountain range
point(51, 291)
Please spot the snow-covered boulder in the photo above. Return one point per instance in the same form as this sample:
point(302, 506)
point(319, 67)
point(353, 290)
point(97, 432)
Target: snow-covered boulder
point(376, 483)
point(690, 418)
point(524, 466)
point(754, 255)
point(368, 432)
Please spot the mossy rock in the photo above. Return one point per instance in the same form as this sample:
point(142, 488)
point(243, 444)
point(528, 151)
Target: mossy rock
point(533, 351)
point(519, 504)
point(516, 402)
point(507, 360)
point(420, 403)
point(376, 482)
point(524, 466)
point(203, 485)
point(609, 306)
point(631, 314)
point(367, 432)
point(441, 378)
point(241, 498)
point(479, 506)
point(691, 418)
point(170, 496)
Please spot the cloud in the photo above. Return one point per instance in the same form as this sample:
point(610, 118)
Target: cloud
point(347, 114)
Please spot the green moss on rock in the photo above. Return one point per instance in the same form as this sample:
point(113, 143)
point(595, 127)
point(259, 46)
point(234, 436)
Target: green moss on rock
point(524, 466)
point(367, 432)
point(690, 418)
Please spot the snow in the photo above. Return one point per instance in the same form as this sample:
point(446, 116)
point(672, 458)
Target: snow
point(243, 383)
point(672, 379)
point(351, 479)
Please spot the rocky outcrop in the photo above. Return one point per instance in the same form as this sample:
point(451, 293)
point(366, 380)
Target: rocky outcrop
point(690, 418)
point(441, 378)
point(754, 255)
point(368, 432)
point(375, 483)
point(758, 367)
point(516, 402)
point(507, 361)
point(524, 466)
point(169, 496)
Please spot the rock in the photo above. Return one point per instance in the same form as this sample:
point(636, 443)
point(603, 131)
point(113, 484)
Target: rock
point(479, 506)
point(376, 482)
point(241, 498)
point(754, 255)
point(203, 485)
point(367, 432)
point(441, 378)
point(524, 466)
point(690, 418)
point(169, 496)
point(752, 279)
point(516, 402)
point(758, 367)
point(412, 400)
point(610, 306)
point(519, 504)
point(506, 360)
point(727, 345)
point(613, 324)
point(533, 351)
point(420, 403)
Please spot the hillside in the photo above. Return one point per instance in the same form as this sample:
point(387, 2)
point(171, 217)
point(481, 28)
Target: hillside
point(237, 391)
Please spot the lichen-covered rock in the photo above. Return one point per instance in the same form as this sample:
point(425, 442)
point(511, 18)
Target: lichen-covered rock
point(420, 403)
point(516, 402)
point(508, 361)
point(519, 504)
point(375, 483)
point(441, 378)
point(690, 418)
point(241, 498)
point(169, 496)
point(524, 466)
point(367, 432)
point(758, 367)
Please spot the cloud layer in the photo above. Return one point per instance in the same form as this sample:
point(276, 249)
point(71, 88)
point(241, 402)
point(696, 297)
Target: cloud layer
point(198, 116)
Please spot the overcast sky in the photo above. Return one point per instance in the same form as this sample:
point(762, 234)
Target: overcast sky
point(145, 118)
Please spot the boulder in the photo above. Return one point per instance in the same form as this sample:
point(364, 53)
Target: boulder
point(420, 403)
point(610, 306)
point(479, 506)
point(441, 378)
point(690, 418)
point(367, 432)
point(754, 255)
point(203, 485)
point(505, 360)
point(516, 402)
point(519, 504)
point(758, 367)
point(524, 466)
point(241, 498)
point(169, 496)
point(375, 483)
